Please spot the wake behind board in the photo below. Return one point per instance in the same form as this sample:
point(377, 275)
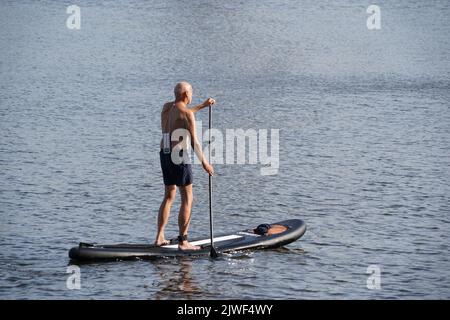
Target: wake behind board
point(241, 240)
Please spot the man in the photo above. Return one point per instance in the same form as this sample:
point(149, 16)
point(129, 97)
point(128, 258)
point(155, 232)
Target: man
point(177, 116)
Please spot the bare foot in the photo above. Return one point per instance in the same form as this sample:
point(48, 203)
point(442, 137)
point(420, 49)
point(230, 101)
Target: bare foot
point(187, 246)
point(161, 242)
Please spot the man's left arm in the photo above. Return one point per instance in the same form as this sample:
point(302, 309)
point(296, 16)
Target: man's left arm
point(208, 102)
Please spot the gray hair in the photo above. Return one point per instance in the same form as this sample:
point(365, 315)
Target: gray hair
point(181, 88)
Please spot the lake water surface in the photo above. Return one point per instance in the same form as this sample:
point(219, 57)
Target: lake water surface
point(364, 125)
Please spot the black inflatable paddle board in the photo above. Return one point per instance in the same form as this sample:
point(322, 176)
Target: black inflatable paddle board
point(241, 240)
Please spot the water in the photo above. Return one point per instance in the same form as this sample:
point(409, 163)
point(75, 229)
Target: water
point(364, 145)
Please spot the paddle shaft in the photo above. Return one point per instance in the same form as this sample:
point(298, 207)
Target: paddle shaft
point(213, 252)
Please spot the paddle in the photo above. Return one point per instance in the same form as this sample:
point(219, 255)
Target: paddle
point(213, 252)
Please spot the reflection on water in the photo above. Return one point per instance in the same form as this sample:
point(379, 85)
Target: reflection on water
point(290, 250)
point(176, 280)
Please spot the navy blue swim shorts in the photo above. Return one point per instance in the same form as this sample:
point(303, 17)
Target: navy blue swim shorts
point(175, 174)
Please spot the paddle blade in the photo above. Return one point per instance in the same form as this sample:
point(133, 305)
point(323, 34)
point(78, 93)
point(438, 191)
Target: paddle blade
point(213, 253)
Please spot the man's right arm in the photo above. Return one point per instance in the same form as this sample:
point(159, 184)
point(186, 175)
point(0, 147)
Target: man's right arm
point(196, 144)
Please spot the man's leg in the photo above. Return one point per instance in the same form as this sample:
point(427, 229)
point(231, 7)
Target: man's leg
point(164, 212)
point(184, 218)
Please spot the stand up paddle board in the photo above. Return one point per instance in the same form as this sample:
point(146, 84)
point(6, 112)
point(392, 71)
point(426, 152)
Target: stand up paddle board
point(284, 232)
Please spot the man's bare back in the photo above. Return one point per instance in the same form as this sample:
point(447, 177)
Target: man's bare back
point(173, 116)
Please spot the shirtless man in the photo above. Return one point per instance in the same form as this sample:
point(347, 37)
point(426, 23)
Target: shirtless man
point(176, 115)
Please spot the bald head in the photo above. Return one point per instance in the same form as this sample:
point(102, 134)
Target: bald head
point(183, 90)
